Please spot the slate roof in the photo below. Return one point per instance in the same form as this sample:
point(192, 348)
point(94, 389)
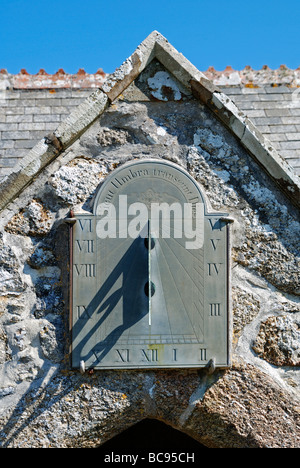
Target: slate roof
point(31, 106)
point(275, 111)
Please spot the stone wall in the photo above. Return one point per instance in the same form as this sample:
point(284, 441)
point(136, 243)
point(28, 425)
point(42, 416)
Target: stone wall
point(43, 402)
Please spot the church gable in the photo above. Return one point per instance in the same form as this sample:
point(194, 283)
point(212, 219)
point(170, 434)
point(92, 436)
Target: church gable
point(157, 107)
point(185, 74)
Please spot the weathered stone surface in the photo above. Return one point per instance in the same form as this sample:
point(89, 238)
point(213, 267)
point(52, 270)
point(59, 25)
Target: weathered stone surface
point(261, 247)
point(75, 182)
point(41, 257)
point(278, 340)
point(228, 410)
point(48, 291)
point(245, 308)
point(249, 410)
point(51, 339)
point(108, 137)
point(11, 283)
point(34, 220)
point(122, 77)
point(2, 346)
point(263, 253)
point(250, 137)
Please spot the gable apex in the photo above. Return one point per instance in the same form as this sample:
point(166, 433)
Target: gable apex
point(155, 46)
point(262, 150)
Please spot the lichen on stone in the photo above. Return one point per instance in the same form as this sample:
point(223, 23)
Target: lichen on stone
point(278, 340)
point(263, 253)
point(77, 181)
point(34, 220)
point(163, 87)
point(245, 307)
point(113, 137)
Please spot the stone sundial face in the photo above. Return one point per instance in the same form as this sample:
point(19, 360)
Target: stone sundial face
point(150, 273)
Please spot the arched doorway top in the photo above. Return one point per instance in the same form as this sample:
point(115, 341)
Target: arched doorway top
point(151, 435)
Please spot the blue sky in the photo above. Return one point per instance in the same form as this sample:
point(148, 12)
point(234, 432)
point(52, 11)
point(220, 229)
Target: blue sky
point(92, 34)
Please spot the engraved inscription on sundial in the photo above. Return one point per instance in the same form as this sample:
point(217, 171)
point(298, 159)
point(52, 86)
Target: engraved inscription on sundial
point(150, 273)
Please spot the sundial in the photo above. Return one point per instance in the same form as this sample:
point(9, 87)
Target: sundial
point(150, 273)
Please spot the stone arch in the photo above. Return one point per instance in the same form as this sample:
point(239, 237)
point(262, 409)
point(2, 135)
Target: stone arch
point(225, 410)
point(151, 435)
